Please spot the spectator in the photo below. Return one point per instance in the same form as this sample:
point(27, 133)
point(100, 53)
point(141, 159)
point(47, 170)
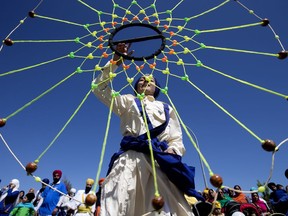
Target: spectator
point(98, 195)
point(51, 195)
point(38, 200)
point(24, 208)
point(205, 194)
point(278, 198)
point(65, 203)
point(217, 209)
point(223, 198)
point(211, 195)
point(279, 186)
point(9, 197)
point(20, 196)
point(260, 205)
point(239, 196)
point(79, 205)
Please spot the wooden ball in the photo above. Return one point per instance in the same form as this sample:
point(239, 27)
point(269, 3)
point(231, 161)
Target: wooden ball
point(2, 122)
point(282, 55)
point(31, 14)
point(90, 199)
point(8, 42)
point(31, 167)
point(269, 145)
point(286, 173)
point(158, 202)
point(265, 22)
point(216, 180)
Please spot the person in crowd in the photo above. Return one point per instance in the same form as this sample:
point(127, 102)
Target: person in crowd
point(223, 198)
point(20, 196)
point(38, 200)
point(205, 194)
point(52, 194)
point(261, 206)
point(231, 193)
point(31, 190)
point(78, 204)
point(130, 177)
point(25, 207)
point(98, 195)
point(9, 197)
point(239, 196)
point(65, 203)
point(211, 195)
point(280, 186)
point(217, 209)
point(278, 198)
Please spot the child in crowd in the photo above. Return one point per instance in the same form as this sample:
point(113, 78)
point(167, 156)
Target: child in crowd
point(25, 208)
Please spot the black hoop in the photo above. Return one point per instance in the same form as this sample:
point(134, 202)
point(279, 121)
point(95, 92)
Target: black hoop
point(159, 34)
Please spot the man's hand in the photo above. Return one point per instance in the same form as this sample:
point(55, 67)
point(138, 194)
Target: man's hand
point(124, 49)
point(55, 211)
point(171, 151)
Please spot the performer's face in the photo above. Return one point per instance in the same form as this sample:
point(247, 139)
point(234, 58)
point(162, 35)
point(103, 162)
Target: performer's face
point(146, 85)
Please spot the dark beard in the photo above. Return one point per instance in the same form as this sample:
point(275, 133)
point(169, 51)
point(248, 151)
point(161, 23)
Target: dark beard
point(87, 190)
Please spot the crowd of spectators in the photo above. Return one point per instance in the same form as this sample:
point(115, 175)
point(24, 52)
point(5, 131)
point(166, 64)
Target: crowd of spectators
point(53, 199)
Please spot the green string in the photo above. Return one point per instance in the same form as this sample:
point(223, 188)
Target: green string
point(40, 96)
point(32, 66)
point(246, 83)
point(190, 137)
point(104, 144)
point(242, 51)
point(65, 125)
point(58, 20)
point(225, 111)
point(151, 150)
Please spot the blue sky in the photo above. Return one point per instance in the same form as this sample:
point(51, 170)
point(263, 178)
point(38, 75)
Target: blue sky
point(230, 151)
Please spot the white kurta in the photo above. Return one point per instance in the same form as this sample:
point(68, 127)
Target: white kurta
point(78, 202)
point(129, 188)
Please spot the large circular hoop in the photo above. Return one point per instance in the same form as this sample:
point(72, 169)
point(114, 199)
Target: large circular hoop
point(159, 35)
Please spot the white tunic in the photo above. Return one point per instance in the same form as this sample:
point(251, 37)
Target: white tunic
point(78, 203)
point(129, 188)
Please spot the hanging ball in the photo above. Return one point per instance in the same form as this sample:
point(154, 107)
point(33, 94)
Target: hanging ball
point(2, 122)
point(37, 179)
point(283, 54)
point(265, 22)
point(261, 189)
point(31, 14)
point(31, 167)
point(269, 145)
point(216, 180)
point(90, 199)
point(286, 173)
point(158, 202)
point(8, 42)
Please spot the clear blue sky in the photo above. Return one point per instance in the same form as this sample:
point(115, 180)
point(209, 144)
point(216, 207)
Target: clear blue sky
point(229, 150)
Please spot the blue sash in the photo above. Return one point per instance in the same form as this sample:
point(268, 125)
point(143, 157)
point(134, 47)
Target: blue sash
point(179, 173)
